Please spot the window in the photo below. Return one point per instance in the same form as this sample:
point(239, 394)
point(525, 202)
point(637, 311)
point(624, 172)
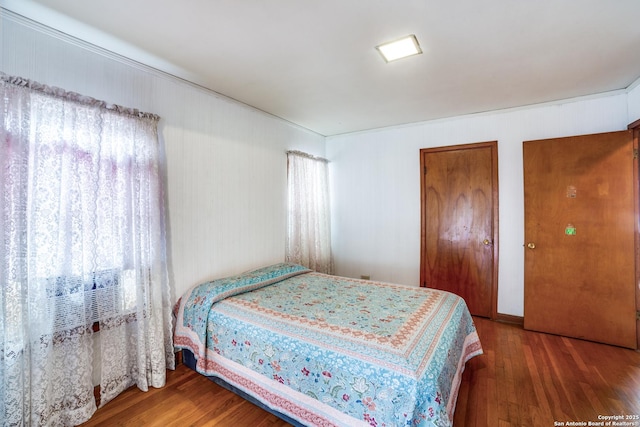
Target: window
point(82, 241)
point(308, 219)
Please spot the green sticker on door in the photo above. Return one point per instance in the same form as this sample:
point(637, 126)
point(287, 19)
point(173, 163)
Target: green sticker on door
point(570, 230)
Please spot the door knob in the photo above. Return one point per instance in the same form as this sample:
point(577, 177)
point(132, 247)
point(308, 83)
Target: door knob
point(531, 245)
point(486, 242)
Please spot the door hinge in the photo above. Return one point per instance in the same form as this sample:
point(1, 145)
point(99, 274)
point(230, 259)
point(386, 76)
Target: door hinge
point(638, 315)
point(635, 153)
point(424, 170)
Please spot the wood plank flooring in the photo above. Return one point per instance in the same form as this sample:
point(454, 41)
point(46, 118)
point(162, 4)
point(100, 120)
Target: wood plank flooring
point(524, 379)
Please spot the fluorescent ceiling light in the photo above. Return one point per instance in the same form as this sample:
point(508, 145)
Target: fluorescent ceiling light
point(406, 46)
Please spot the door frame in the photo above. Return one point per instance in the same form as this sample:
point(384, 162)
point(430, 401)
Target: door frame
point(635, 128)
point(493, 145)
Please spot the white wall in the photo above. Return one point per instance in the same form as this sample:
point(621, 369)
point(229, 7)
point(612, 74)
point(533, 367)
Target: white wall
point(634, 102)
point(226, 162)
point(376, 185)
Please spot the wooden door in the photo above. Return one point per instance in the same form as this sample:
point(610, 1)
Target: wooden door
point(579, 237)
point(635, 129)
point(459, 223)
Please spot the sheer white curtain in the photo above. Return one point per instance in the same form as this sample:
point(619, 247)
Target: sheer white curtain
point(82, 244)
point(308, 222)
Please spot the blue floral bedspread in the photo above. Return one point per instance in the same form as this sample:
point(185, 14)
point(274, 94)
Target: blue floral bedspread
point(327, 350)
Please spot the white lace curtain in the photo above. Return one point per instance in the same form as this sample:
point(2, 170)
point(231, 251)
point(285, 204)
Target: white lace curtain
point(82, 244)
point(309, 218)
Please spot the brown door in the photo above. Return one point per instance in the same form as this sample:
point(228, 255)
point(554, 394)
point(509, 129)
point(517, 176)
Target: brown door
point(459, 223)
point(579, 237)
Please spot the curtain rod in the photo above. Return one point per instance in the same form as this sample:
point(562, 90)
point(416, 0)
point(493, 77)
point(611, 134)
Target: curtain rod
point(307, 155)
point(73, 96)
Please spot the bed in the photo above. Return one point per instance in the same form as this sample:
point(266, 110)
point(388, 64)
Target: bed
point(321, 350)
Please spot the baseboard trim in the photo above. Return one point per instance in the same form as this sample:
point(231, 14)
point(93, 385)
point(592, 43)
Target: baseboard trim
point(508, 318)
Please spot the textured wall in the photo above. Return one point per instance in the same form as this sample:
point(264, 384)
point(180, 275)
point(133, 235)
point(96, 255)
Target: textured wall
point(226, 162)
point(634, 102)
point(376, 186)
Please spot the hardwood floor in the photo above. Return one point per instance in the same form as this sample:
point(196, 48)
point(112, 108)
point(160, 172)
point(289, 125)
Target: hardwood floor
point(523, 379)
point(188, 399)
point(530, 379)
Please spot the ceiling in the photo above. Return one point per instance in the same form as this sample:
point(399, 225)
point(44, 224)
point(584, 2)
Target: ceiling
point(314, 63)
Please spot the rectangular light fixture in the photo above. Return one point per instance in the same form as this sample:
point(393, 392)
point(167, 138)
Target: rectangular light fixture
point(406, 46)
